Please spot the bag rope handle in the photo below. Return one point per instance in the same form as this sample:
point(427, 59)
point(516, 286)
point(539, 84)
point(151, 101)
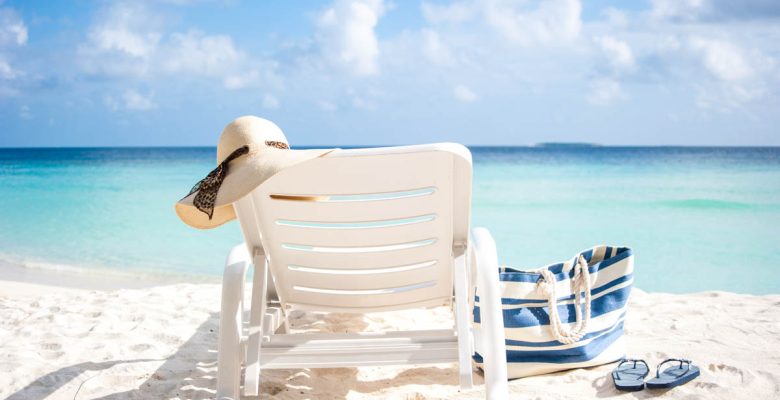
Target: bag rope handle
point(581, 283)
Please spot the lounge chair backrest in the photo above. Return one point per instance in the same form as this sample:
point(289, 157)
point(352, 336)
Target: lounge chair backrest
point(363, 230)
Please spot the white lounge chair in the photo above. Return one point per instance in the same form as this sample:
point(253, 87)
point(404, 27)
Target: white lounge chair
point(360, 231)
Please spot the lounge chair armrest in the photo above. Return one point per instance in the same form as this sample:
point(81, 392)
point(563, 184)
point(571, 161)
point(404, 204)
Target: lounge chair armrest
point(492, 321)
point(230, 352)
point(238, 254)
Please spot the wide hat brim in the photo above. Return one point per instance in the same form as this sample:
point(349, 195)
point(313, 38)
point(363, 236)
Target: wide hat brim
point(244, 175)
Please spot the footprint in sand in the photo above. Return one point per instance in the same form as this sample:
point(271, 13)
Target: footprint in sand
point(51, 346)
point(140, 347)
point(729, 375)
point(167, 339)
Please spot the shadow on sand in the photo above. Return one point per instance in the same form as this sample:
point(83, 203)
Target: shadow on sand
point(190, 373)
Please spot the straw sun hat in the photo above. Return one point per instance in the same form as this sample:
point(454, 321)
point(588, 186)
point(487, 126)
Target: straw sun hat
point(250, 150)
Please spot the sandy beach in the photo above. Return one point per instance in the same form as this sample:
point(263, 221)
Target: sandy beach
point(160, 342)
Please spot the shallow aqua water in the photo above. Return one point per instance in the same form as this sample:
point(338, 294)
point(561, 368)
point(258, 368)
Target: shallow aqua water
point(698, 218)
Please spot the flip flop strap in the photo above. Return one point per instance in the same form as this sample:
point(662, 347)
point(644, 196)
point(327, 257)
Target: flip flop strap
point(628, 360)
point(668, 360)
point(581, 283)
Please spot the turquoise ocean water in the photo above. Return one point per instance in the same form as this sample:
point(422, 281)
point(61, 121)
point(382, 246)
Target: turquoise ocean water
point(698, 218)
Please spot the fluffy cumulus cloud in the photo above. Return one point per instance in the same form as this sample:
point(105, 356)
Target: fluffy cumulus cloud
point(6, 72)
point(126, 30)
point(518, 21)
point(129, 41)
point(548, 21)
point(122, 42)
point(618, 60)
point(12, 28)
point(434, 49)
point(725, 61)
point(738, 76)
point(718, 51)
point(617, 52)
point(346, 35)
point(195, 53)
point(13, 34)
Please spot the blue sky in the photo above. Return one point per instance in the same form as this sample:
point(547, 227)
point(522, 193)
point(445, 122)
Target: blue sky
point(352, 72)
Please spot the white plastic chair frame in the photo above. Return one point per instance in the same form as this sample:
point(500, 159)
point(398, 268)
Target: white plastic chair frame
point(340, 233)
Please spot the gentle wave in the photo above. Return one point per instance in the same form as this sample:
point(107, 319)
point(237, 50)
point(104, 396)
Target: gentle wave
point(161, 276)
point(711, 204)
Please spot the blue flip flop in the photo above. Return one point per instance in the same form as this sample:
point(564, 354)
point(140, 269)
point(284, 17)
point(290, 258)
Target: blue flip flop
point(629, 375)
point(673, 376)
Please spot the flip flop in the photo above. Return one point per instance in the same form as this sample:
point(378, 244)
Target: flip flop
point(629, 375)
point(673, 376)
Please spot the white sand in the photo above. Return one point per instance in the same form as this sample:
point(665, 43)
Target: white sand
point(160, 342)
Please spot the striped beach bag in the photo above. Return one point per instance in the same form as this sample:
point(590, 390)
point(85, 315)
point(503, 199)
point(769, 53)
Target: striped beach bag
point(567, 315)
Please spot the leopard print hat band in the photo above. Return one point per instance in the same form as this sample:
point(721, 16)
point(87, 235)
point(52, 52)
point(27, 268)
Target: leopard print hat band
point(208, 187)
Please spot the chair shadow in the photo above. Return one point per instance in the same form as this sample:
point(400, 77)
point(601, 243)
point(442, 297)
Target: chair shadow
point(190, 372)
point(190, 367)
point(44, 386)
point(337, 383)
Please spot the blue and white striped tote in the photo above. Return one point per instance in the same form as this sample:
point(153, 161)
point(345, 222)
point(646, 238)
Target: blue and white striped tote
point(566, 315)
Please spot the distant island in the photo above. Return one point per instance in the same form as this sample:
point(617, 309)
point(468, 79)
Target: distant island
point(567, 145)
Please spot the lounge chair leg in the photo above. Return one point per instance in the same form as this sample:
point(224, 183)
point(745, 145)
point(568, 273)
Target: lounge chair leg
point(230, 320)
point(462, 322)
point(255, 335)
point(492, 321)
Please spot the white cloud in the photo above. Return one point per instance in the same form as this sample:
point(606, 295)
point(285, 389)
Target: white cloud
point(434, 49)
point(128, 29)
point(451, 13)
point(197, 54)
point(131, 100)
point(6, 72)
point(128, 40)
point(617, 52)
point(13, 33)
point(122, 42)
point(738, 76)
point(12, 28)
point(605, 91)
point(615, 17)
point(270, 101)
point(464, 94)
point(240, 80)
point(345, 33)
point(550, 21)
point(136, 101)
point(518, 21)
point(722, 59)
